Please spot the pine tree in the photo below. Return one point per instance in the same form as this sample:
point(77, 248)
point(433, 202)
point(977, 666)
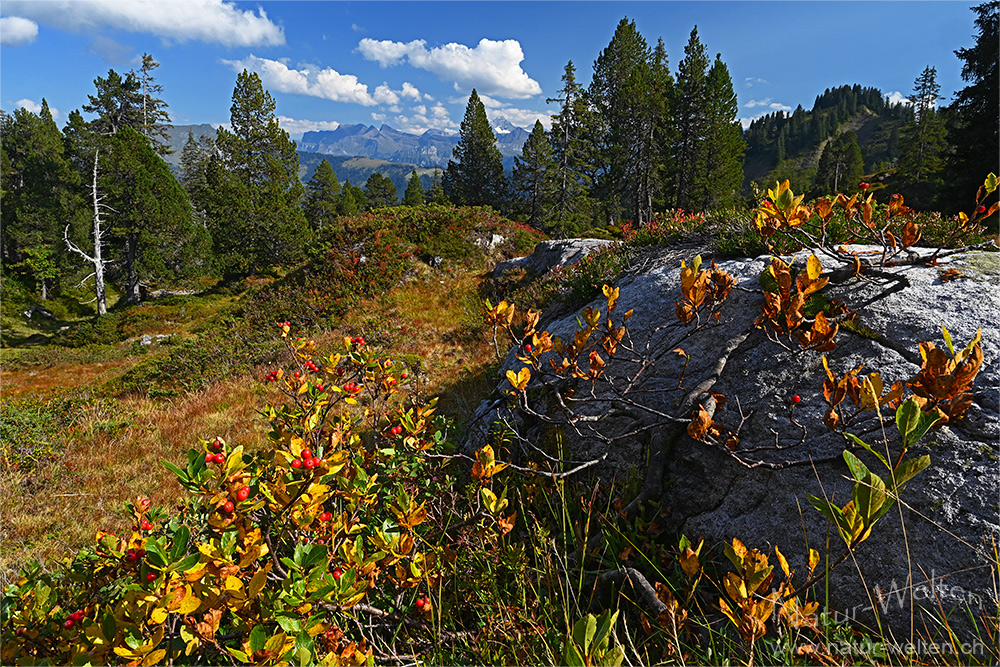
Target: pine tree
point(974, 133)
point(690, 102)
point(534, 177)
point(414, 195)
point(40, 196)
point(477, 179)
point(924, 139)
point(436, 193)
point(840, 165)
point(351, 200)
point(724, 144)
point(195, 159)
point(150, 218)
point(155, 118)
point(118, 103)
point(255, 192)
point(624, 99)
point(380, 191)
point(572, 129)
point(322, 192)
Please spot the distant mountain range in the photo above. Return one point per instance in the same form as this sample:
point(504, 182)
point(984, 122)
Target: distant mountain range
point(433, 148)
point(356, 151)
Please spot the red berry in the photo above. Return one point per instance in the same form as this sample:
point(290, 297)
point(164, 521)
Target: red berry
point(209, 458)
point(131, 557)
point(307, 454)
point(146, 525)
point(317, 462)
point(296, 374)
point(296, 464)
point(220, 458)
point(144, 502)
point(980, 209)
point(150, 577)
point(77, 616)
point(321, 541)
point(243, 493)
point(528, 347)
point(216, 445)
point(69, 623)
point(863, 185)
point(337, 573)
point(403, 375)
point(309, 463)
point(228, 507)
point(796, 398)
point(319, 388)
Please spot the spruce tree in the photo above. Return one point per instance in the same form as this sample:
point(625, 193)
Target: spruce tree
point(624, 99)
point(414, 195)
point(155, 118)
point(724, 145)
point(534, 177)
point(255, 198)
point(477, 179)
point(572, 149)
point(322, 192)
point(974, 132)
point(924, 141)
point(840, 166)
point(40, 197)
point(690, 102)
point(195, 159)
point(118, 103)
point(380, 191)
point(151, 227)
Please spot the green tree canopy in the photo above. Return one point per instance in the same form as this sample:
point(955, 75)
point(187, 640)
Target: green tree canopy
point(840, 166)
point(534, 178)
point(414, 195)
point(380, 191)
point(322, 192)
point(477, 178)
point(255, 213)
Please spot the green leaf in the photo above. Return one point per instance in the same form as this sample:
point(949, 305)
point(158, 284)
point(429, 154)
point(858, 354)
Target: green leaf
point(768, 282)
point(289, 624)
point(947, 340)
point(912, 423)
point(991, 182)
point(583, 632)
point(605, 624)
point(181, 475)
point(908, 470)
point(696, 264)
point(155, 549)
point(181, 538)
point(189, 561)
point(257, 638)
point(829, 510)
point(861, 443)
point(571, 656)
point(869, 496)
point(859, 470)
point(108, 627)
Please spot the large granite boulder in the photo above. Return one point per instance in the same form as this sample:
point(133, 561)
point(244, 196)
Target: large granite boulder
point(934, 549)
point(549, 254)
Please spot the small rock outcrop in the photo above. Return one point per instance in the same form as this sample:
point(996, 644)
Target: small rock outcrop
point(549, 254)
point(934, 549)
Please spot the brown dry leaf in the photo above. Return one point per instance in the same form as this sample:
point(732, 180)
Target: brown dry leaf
point(949, 275)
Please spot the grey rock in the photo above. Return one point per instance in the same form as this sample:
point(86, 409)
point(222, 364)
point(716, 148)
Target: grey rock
point(937, 542)
point(549, 254)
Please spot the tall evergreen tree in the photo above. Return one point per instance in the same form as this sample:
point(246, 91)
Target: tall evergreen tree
point(724, 145)
point(40, 196)
point(974, 132)
point(436, 193)
point(924, 139)
point(623, 97)
point(534, 178)
point(351, 200)
point(690, 102)
point(571, 134)
point(254, 214)
point(414, 195)
point(150, 220)
point(196, 157)
point(118, 103)
point(840, 165)
point(322, 192)
point(380, 191)
point(477, 179)
point(155, 118)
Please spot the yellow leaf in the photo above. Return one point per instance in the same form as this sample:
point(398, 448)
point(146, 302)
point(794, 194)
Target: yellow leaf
point(158, 615)
point(189, 605)
point(258, 581)
point(154, 658)
point(782, 562)
point(813, 559)
point(813, 268)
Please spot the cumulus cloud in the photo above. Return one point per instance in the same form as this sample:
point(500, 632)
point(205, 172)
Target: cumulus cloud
point(422, 119)
point(16, 31)
point(751, 81)
point(325, 83)
point(896, 97)
point(211, 21)
point(492, 67)
point(498, 109)
point(296, 127)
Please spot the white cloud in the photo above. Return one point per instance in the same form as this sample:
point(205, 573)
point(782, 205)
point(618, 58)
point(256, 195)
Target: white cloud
point(358, 28)
point(296, 127)
point(751, 81)
point(409, 90)
point(896, 97)
point(522, 117)
point(420, 120)
point(15, 31)
point(35, 107)
point(768, 103)
point(492, 67)
point(378, 117)
point(325, 83)
point(212, 21)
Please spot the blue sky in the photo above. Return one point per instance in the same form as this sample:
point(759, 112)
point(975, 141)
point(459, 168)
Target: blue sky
point(412, 64)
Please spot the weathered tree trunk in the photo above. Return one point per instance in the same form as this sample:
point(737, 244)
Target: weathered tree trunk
point(96, 259)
